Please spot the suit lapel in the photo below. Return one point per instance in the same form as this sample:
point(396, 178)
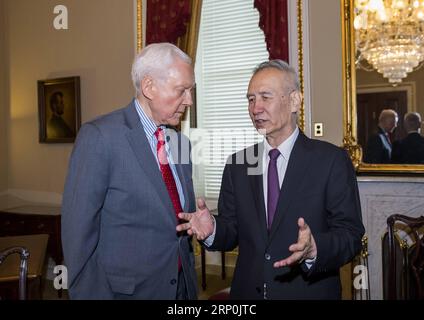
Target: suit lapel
point(256, 184)
point(295, 173)
point(141, 148)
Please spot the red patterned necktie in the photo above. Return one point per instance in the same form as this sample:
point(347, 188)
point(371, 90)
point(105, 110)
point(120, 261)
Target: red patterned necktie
point(168, 177)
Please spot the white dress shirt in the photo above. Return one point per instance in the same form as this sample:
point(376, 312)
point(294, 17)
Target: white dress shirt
point(282, 161)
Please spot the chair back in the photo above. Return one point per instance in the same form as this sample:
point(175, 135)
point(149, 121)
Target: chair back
point(403, 258)
point(23, 269)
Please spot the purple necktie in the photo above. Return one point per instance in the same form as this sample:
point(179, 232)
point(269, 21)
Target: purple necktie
point(273, 185)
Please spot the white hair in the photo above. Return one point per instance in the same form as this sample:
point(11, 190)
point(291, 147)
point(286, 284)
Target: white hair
point(155, 60)
point(412, 121)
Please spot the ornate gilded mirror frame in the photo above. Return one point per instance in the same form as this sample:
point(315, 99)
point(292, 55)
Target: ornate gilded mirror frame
point(139, 25)
point(299, 7)
point(350, 129)
point(299, 12)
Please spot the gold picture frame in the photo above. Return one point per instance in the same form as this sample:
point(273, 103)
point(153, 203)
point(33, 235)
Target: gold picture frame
point(59, 106)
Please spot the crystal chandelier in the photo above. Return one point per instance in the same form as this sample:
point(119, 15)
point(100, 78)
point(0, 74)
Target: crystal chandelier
point(389, 35)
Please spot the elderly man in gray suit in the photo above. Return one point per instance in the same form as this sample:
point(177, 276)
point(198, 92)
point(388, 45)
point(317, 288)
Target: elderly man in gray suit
point(129, 176)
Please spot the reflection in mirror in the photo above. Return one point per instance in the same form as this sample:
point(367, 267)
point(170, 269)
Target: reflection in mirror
point(384, 84)
point(388, 44)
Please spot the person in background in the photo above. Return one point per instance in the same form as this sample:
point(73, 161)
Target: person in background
point(379, 144)
point(410, 150)
point(129, 176)
point(296, 220)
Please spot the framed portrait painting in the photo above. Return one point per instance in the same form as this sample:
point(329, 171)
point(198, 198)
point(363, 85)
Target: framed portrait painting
point(59, 107)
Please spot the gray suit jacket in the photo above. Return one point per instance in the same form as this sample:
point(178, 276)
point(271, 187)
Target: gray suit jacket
point(118, 222)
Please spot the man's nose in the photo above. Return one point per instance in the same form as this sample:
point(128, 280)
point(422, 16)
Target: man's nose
point(188, 99)
point(257, 107)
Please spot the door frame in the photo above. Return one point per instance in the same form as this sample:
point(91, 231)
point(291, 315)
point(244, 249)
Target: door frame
point(409, 87)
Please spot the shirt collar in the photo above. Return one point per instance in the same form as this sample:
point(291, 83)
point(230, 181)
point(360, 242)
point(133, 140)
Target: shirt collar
point(148, 124)
point(286, 147)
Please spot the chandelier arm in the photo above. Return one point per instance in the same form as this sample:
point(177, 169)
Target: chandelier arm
point(419, 66)
point(368, 68)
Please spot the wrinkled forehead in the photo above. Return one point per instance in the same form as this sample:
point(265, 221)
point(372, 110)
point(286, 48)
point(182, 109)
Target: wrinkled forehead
point(179, 71)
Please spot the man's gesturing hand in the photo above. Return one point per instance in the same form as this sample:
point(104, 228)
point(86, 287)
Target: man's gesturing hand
point(200, 223)
point(305, 248)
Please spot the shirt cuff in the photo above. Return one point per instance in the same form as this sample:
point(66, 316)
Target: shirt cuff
point(310, 262)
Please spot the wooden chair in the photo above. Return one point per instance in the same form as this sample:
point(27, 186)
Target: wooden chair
point(23, 269)
point(203, 265)
point(403, 258)
point(10, 277)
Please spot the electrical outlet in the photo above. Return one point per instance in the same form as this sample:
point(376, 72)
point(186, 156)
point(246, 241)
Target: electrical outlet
point(318, 129)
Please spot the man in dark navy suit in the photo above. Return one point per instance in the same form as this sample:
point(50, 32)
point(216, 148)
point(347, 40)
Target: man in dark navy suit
point(294, 214)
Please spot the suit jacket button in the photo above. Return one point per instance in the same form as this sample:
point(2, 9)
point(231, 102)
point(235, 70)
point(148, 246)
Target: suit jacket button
point(173, 281)
point(267, 256)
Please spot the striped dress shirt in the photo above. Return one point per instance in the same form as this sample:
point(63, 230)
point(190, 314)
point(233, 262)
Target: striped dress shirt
point(150, 128)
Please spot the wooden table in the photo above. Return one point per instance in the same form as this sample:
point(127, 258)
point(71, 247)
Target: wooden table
point(34, 219)
point(9, 269)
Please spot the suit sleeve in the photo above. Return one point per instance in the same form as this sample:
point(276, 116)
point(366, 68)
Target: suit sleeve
point(226, 222)
point(373, 151)
point(342, 241)
point(84, 194)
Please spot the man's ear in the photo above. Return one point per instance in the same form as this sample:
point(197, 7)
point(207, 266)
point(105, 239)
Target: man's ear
point(147, 87)
point(296, 101)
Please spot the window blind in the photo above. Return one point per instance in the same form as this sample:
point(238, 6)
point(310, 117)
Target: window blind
point(230, 45)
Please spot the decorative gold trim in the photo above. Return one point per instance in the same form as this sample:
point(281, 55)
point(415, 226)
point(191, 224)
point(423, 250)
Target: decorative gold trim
point(193, 31)
point(403, 243)
point(188, 43)
point(139, 25)
point(349, 94)
point(349, 103)
point(300, 61)
point(364, 251)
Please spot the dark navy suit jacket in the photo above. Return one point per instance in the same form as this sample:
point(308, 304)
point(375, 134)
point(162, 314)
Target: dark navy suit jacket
point(320, 186)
